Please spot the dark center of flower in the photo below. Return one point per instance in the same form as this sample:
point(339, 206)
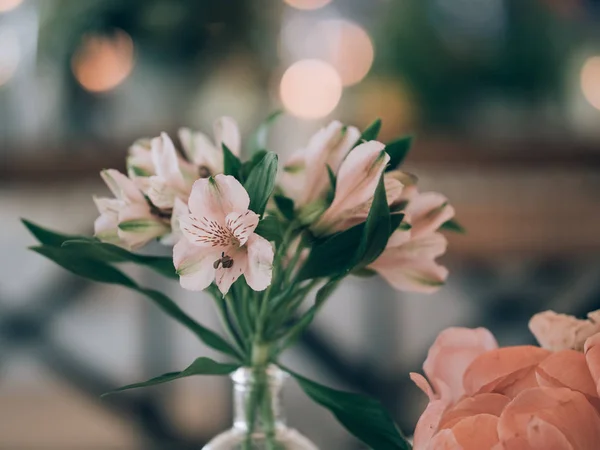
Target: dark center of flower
point(204, 172)
point(225, 260)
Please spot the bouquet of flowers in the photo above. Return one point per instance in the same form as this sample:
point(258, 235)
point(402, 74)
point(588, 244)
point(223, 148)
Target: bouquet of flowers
point(260, 239)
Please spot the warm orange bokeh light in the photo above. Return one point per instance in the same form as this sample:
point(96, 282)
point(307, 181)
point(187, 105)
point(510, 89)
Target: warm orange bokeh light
point(590, 81)
point(349, 49)
point(7, 5)
point(307, 4)
point(310, 89)
point(101, 63)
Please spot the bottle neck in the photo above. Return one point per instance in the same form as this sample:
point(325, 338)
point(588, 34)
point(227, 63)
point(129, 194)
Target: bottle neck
point(257, 399)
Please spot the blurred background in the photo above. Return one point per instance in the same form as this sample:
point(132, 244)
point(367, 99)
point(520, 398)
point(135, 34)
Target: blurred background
point(503, 97)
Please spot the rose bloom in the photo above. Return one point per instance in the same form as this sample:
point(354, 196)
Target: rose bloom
point(482, 397)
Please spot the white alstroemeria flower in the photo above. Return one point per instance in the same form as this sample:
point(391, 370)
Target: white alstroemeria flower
point(408, 261)
point(355, 187)
point(218, 240)
point(126, 220)
point(305, 177)
point(169, 182)
point(206, 156)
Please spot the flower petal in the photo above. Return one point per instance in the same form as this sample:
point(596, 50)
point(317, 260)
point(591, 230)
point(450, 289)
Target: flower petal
point(592, 357)
point(427, 425)
point(444, 440)
point(328, 146)
point(423, 384)
point(560, 331)
point(164, 157)
point(242, 225)
point(567, 368)
point(180, 209)
point(227, 132)
point(489, 370)
point(201, 152)
point(477, 432)
point(160, 193)
point(122, 187)
point(409, 274)
point(206, 233)
point(428, 211)
point(225, 276)
point(452, 352)
point(492, 404)
point(356, 182)
point(194, 265)
point(260, 263)
point(566, 410)
point(214, 198)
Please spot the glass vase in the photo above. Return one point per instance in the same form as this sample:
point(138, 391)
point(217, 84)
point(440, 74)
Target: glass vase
point(259, 421)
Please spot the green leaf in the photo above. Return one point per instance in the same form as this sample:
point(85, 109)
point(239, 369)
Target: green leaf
point(262, 133)
point(249, 165)
point(285, 206)
point(110, 253)
point(453, 225)
point(231, 163)
point(261, 182)
point(364, 417)
point(84, 267)
point(48, 237)
point(201, 366)
point(139, 225)
point(271, 229)
point(371, 132)
point(332, 184)
point(99, 271)
point(398, 150)
point(377, 228)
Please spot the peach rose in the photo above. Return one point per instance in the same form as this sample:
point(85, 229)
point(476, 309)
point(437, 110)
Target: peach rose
point(514, 398)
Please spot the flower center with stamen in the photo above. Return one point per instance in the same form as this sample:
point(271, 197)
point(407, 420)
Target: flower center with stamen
point(204, 172)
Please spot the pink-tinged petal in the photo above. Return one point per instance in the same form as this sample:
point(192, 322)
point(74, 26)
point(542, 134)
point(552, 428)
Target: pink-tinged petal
point(356, 182)
point(543, 436)
point(137, 226)
point(139, 159)
point(423, 384)
point(328, 146)
point(567, 368)
point(411, 275)
point(476, 432)
point(504, 365)
point(561, 332)
point(428, 246)
point(513, 384)
point(164, 157)
point(428, 423)
point(260, 263)
point(198, 148)
point(492, 404)
point(206, 233)
point(160, 193)
point(444, 440)
point(121, 186)
point(194, 265)
point(592, 357)
point(242, 225)
point(428, 211)
point(292, 178)
point(409, 181)
point(226, 275)
point(227, 132)
point(452, 352)
point(566, 410)
point(398, 238)
point(214, 198)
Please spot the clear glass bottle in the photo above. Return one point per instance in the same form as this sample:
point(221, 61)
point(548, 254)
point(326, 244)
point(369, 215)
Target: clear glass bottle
point(259, 422)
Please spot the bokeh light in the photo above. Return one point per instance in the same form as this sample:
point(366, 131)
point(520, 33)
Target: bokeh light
point(101, 63)
point(348, 48)
point(10, 55)
point(590, 81)
point(8, 5)
point(310, 89)
point(307, 4)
